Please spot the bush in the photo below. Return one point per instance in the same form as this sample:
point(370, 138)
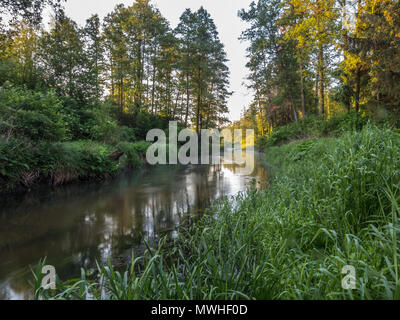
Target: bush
point(33, 115)
point(141, 147)
point(131, 156)
point(90, 121)
point(261, 143)
point(15, 158)
point(99, 124)
point(133, 152)
point(24, 165)
point(126, 134)
point(315, 127)
point(142, 122)
point(95, 160)
point(347, 122)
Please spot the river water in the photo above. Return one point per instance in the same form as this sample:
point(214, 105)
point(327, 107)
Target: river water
point(77, 225)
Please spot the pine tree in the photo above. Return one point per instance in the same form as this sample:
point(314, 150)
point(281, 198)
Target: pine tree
point(94, 52)
point(62, 60)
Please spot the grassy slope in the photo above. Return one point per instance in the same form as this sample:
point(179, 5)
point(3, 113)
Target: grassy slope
point(23, 165)
point(333, 203)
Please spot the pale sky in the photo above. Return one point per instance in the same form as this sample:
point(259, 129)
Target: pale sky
point(224, 13)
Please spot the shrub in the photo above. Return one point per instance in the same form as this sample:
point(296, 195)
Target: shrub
point(99, 124)
point(141, 147)
point(126, 134)
point(261, 143)
point(315, 127)
point(133, 153)
point(15, 158)
point(23, 164)
point(95, 159)
point(131, 156)
point(142, 122)
point(28, 114)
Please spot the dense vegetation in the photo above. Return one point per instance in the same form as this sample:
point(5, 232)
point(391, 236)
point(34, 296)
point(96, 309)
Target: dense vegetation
point(75, 102)
point(333, 202)
point(321, 58)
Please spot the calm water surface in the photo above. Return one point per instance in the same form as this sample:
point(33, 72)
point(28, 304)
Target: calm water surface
point(76, 225)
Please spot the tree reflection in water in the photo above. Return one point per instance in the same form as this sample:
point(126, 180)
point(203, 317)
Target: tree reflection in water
point(76, 225)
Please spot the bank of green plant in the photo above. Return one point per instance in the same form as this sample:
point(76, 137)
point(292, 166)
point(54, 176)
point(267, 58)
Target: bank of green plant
point(313, 127)
point(54, 139)
point(333, 202)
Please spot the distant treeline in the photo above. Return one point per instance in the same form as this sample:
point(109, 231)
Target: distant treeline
point(132, 59)
point(77, 101)
point(321, 57)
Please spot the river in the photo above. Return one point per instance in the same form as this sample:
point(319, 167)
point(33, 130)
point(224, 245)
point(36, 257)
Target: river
point(74, 226)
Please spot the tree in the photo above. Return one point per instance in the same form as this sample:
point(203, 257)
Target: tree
point(94, 52)
point(18, 54)
point(31, 10)
point(209, 70)
point(185, 32)
point(372, 52)
point(62, 60)
point(133, 37)
point(380, 31)
point(272, 63)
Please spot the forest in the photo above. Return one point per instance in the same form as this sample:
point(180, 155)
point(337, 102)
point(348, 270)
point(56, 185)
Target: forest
point(321, 58)
point(73, 97)
point(76, 103)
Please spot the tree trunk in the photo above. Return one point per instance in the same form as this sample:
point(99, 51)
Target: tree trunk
point(321, 79)
point(153, 86)
point(303, 99)
point(198, 113)
point(198, 104)
point(358, 89)
point(187, 99)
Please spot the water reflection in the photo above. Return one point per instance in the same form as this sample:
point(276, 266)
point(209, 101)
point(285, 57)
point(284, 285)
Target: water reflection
point(75, 226)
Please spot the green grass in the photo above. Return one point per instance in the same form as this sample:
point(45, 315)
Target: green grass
point(312, 127)
point(333, 202)
point(24, 165)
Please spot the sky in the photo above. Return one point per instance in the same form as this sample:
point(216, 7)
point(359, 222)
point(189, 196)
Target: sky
point(224, 13)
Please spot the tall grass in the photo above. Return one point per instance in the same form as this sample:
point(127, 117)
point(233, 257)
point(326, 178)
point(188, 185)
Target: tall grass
point(333, 202)
point(312, 127)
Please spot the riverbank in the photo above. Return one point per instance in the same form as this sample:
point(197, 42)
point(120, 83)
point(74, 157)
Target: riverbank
point(48, 138)
point(25, 166)
point(333, 202)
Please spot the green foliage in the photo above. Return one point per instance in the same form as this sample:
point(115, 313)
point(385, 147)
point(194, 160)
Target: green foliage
point(134, 153)
point(301, 150)
point(315, 127)
point(307, 57)
point(23, 165)
point(94, 159)
point(99, 124)
point(31, 9)
point(126, 134)
point(44, 138)
point(131, 156)
point(142, 122)
point(29, 114)
point(338, 206)
point(261, 143)
point(141, 147)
